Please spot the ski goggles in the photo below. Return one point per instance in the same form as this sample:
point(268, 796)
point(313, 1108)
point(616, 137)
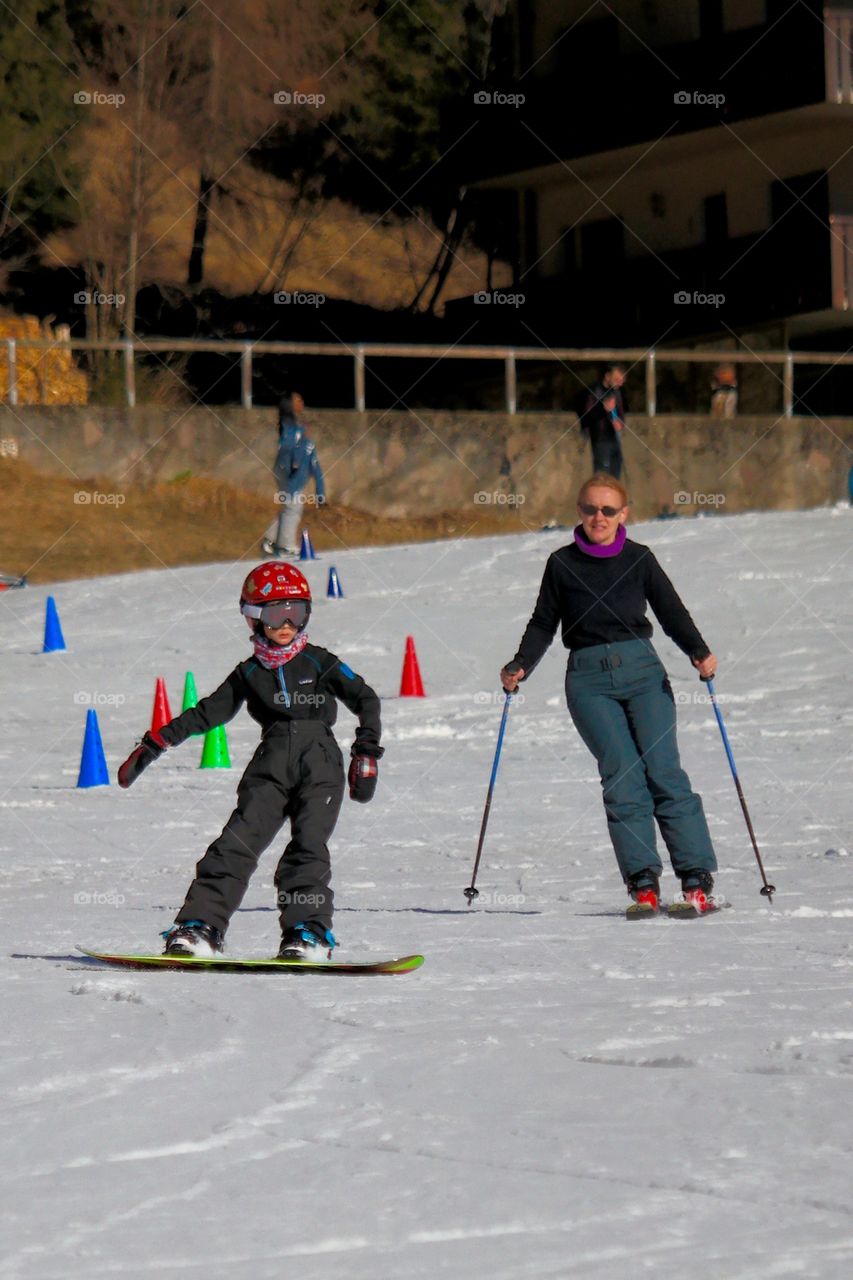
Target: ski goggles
point(278, 612)
point(587, 509)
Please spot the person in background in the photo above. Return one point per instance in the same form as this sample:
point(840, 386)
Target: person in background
point(724, 391)
point(603, 418)
point(296, 463)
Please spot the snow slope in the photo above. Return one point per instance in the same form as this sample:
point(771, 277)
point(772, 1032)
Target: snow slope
point(556, 1093)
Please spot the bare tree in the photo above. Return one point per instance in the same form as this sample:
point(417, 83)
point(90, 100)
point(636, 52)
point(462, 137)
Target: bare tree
point(265, 73)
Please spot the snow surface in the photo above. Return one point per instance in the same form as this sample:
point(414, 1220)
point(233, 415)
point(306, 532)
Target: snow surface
point(557, 1093)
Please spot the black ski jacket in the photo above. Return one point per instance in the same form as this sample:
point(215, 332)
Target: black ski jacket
point(306, 688)
point(603, 600)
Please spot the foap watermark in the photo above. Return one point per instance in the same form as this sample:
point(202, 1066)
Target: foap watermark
point(298, 298)
point(697, 98)
point(286, 898)
point(495, 698)
point(299, 699)
point(295, 98)
point(496, 899)
point(111, 898)
point(497, 498)
point(696, 299)
point(496, 98)
point(498, 298)
point(696, 698)
point(93, 498)
point(97, 698)
point(92, 298)
point(93, 98)
point(284, 499)
point(9, 447)
point(698, 499)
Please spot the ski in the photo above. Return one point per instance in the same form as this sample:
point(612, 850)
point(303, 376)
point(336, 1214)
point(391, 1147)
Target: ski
point(224, 964)
point(678, 910)
point(641, 911)
point(684, 910)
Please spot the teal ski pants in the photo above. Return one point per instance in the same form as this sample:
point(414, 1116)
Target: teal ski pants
point(621, 702)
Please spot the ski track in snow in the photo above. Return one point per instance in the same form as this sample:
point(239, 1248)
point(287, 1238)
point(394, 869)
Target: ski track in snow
point(557, 1093)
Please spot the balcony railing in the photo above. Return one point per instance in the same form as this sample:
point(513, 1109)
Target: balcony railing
point(838, 44)
point(842, 261)
point(639, 357)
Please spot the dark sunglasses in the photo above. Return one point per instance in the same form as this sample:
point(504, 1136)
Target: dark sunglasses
point(589, 510)
point(275, 615)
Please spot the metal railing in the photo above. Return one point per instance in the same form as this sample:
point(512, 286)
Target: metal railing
point(838, 33)
point(360, 352)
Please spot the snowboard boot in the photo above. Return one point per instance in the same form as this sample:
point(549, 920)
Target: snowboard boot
point(644, 888)
point(697, 898)
point(193, 938)
point(304, 942)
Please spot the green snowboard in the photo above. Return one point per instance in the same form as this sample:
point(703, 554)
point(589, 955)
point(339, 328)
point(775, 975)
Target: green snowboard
point(405, 964)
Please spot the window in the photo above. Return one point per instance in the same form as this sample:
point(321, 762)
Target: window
point(716, 219)
point(602, 245)
point(710, 19)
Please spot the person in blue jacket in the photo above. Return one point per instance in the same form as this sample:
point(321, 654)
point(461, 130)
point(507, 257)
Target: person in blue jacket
point(296, 463)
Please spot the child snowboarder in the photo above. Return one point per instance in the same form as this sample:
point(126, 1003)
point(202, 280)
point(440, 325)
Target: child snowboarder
point(290, 688)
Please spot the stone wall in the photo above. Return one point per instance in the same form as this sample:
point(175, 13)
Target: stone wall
point(402, 463)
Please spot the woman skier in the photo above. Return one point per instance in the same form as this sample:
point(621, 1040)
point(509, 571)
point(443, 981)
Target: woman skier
point(596, 591)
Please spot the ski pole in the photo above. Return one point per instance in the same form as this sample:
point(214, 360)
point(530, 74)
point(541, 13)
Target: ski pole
point(769, 889)
point(471, 893)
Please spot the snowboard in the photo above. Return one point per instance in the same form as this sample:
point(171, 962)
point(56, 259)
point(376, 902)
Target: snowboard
point(404, 964)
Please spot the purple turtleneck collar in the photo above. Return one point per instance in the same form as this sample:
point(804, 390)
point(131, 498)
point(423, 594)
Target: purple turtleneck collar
point(593, 549)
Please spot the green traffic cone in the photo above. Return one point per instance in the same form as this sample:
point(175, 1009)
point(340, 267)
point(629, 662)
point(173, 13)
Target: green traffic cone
point(214, 753)
point(190, 696)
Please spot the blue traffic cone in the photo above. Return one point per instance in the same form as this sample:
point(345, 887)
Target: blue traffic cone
point(306, 549)
point(54, 641)
point(93, 766)
point(333, 590)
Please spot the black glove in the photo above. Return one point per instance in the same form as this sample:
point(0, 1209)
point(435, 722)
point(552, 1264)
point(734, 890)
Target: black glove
point(151, 746)
point(363, 776)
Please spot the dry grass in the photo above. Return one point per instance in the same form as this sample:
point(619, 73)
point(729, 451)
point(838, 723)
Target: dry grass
point(50, 537)
point(343, 253)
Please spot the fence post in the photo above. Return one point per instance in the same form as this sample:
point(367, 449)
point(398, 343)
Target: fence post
point(129, 376)
point(12, 360)
point(788, 386)
point(651, 385)
point(246, 376)
point(358, 355)
point(510, 382)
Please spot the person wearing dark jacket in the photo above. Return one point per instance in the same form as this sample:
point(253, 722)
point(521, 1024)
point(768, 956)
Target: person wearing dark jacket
point(296, 463)
point(290, 688)
point(603, 420)
point(596, 591)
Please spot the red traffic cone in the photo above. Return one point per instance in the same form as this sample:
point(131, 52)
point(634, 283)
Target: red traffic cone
point(411, 684)
point(161, 712)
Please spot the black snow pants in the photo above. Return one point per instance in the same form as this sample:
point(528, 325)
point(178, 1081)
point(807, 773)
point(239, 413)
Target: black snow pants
point(297, 773)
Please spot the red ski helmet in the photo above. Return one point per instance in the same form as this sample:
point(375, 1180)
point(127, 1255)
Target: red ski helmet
point(271, 582)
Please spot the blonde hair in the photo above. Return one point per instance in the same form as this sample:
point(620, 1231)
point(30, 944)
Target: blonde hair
point(601, 480)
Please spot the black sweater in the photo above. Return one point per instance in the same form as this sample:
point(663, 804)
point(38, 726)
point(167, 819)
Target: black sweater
point(601, 600)
point(306, 688)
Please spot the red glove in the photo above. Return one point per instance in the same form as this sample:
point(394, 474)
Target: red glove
point(150, 748)
point(363, 776)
